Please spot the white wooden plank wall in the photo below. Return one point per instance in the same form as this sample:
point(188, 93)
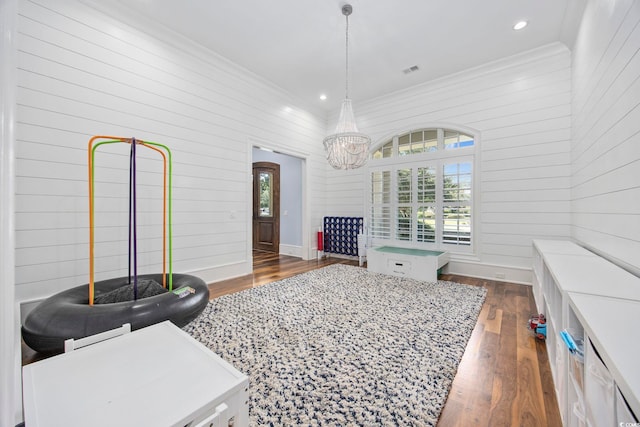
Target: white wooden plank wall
point(521, 107)
point(81, 73)
point(606, 130)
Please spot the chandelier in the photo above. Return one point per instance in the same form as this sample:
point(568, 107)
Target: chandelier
point(347, 148)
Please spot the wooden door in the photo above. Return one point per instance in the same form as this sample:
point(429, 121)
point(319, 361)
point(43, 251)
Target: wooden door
point(266, 206)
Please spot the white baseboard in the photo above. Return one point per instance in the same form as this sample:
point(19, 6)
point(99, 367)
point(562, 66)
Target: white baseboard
point(291, 250)
point(222, 272)
point(501, 273)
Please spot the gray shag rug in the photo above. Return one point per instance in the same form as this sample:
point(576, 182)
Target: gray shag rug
point(341, 346)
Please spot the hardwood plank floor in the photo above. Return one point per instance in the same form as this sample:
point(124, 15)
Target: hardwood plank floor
point(269, 267)
point(504, 378)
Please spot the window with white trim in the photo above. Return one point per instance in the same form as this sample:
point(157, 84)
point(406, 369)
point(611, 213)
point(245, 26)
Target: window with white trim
point(380, 214)
point(421, 190)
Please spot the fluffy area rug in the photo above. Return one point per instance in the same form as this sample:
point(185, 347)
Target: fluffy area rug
point(340, 346)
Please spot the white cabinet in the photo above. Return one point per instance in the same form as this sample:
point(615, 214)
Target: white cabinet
point(155, 376)
point(598, 389)
point(597, 303)
point(611, 357)
point(549, 284)
point(577, 416)
point(623, 412)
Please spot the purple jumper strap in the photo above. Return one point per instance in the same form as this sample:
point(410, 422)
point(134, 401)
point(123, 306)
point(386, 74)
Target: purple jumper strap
point(133, 216)
point(130, 201)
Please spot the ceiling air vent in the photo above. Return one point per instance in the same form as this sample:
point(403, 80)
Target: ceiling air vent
point(411, 69)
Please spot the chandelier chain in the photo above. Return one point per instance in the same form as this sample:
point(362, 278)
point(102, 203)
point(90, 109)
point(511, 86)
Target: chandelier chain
point(347, 59)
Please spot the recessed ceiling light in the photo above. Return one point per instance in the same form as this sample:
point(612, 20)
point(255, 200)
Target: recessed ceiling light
point(323, 97)
point(520, 25)
point(411, 69)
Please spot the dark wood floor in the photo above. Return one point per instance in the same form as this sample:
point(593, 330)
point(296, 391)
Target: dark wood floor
point(269, 267)
point(504, 377)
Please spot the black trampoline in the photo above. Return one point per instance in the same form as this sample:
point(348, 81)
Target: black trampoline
point(69, 315)
point(139, 299)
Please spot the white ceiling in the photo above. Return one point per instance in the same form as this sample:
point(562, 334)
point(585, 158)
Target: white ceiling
point(299, 45)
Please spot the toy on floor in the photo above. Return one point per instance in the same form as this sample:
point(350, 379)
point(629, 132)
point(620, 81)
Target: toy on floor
point(538, 324)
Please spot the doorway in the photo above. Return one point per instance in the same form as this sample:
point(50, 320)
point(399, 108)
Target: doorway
point(266, 207)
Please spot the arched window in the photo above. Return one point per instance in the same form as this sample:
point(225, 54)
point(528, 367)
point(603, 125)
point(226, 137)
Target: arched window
point(421, 186)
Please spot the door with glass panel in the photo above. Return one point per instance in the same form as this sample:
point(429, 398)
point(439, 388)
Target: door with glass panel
point(266, 206)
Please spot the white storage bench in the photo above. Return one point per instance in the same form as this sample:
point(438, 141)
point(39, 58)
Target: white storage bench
point(417, 264)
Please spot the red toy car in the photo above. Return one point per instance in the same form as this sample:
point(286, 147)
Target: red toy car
point(538, 324)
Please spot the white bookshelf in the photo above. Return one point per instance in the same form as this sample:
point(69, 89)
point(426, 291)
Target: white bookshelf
point(597, 302)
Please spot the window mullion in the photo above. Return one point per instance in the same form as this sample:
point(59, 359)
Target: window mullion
point(395, 152)
point(439, 196)
point(394, 198)
point(414, 203)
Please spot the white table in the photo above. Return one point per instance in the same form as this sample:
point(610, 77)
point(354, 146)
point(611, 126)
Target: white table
point(155, 376)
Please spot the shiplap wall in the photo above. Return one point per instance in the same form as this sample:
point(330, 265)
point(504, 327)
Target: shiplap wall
point(521, 108)
point(605, 149)
point(10, 354)
point(82, 73)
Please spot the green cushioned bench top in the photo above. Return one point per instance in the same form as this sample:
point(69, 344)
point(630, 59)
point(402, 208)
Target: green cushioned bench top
point(408, 251)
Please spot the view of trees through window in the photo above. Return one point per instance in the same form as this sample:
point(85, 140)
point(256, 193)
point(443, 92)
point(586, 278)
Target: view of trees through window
point(266, 194)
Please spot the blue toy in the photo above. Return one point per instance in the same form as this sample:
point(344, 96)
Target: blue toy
point(538, 324)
